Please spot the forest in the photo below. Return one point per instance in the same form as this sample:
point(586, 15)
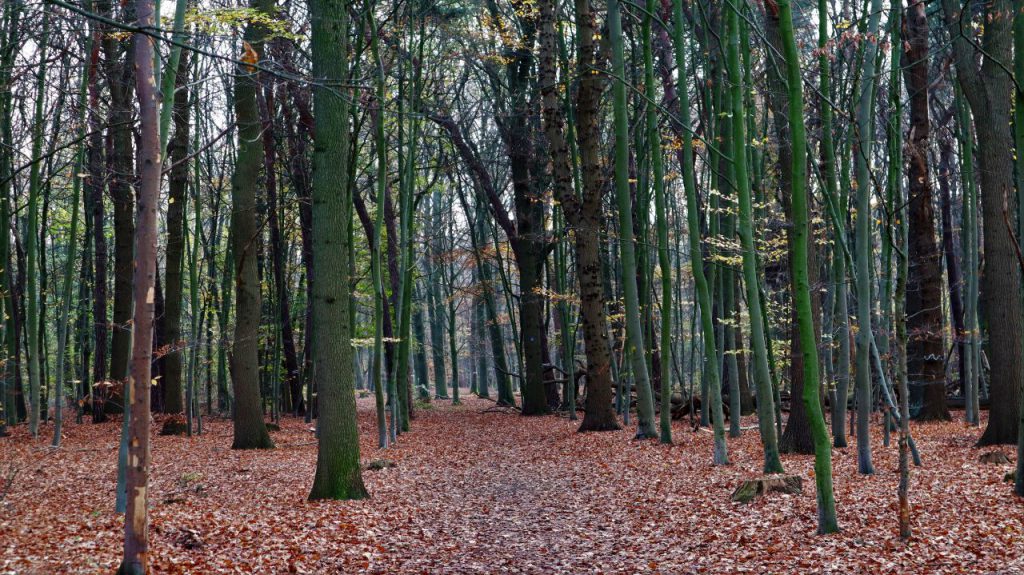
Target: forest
point(511, 286)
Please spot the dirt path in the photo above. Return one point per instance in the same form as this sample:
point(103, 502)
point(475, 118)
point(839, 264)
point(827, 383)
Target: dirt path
point(480, 492)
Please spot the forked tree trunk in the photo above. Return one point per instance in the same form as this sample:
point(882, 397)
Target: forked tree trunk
point(582, 214)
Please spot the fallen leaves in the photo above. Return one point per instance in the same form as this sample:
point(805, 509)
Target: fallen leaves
point(473, 492)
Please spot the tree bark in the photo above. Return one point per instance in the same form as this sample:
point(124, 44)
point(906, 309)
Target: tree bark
point(925, 357)
point(171, 382)
point(136, 525)
point(988, 92)
point(250, 431)
point(338, 471)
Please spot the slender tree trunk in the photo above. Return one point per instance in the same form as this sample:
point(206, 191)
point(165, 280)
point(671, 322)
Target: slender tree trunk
point(171, 382)
point(136, 525)
point(278, 250)
point(762, 374)
point(627, 250)
point(94, 193)
point(33, 271)
point(805, 312)
point(721, 453)
point(950, 253)
point(63, 325)
point(862, 153)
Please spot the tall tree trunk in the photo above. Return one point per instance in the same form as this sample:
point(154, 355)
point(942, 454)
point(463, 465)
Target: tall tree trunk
point(96, 213)
point(721, 452)
point(250, 431)
point(582, 214)
point(136, 525)
point(805, 311)
point(436, 306)
point(627, 249)
point(925, 357)
point(862, 152)
point(950, 253)
point(32, 243)
point(338, 471)
point(762, 373)
point(121, 184)
point(278, 250)
point(988, 92)
point(173, 277)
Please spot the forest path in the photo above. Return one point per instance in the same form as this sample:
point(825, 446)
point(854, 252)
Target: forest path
point(477, 492)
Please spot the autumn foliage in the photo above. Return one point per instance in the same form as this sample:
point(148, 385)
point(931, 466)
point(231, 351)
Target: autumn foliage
point(474, 492)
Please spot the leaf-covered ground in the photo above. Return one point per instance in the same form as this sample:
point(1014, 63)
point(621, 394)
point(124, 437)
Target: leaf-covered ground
point(476, 492)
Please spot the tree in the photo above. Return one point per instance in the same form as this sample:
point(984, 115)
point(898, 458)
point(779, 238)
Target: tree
point(924, 284)
point(721, 452)
point(583, 214)
point(250, 429)
point(33, 350)
point(136, 525)
point(987, 89)
point(805, 313)
point(762, 375)
point(338, 471)
point(172, 396)
point(864, 138)
point(627, 249)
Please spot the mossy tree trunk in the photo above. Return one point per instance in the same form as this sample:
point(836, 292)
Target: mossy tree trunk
point(338, 472)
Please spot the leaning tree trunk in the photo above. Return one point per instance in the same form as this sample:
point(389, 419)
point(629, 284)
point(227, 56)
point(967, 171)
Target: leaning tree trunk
point(720, 451)
point(806, 312)
point(797, 435)
point(762, 373)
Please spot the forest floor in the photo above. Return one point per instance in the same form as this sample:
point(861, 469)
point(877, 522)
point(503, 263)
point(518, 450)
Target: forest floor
point(476, 492)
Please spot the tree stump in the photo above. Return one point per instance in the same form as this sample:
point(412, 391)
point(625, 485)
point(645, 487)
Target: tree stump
point(378, 464)
point(994, 457)
point(754, 488)
point(174, 425)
